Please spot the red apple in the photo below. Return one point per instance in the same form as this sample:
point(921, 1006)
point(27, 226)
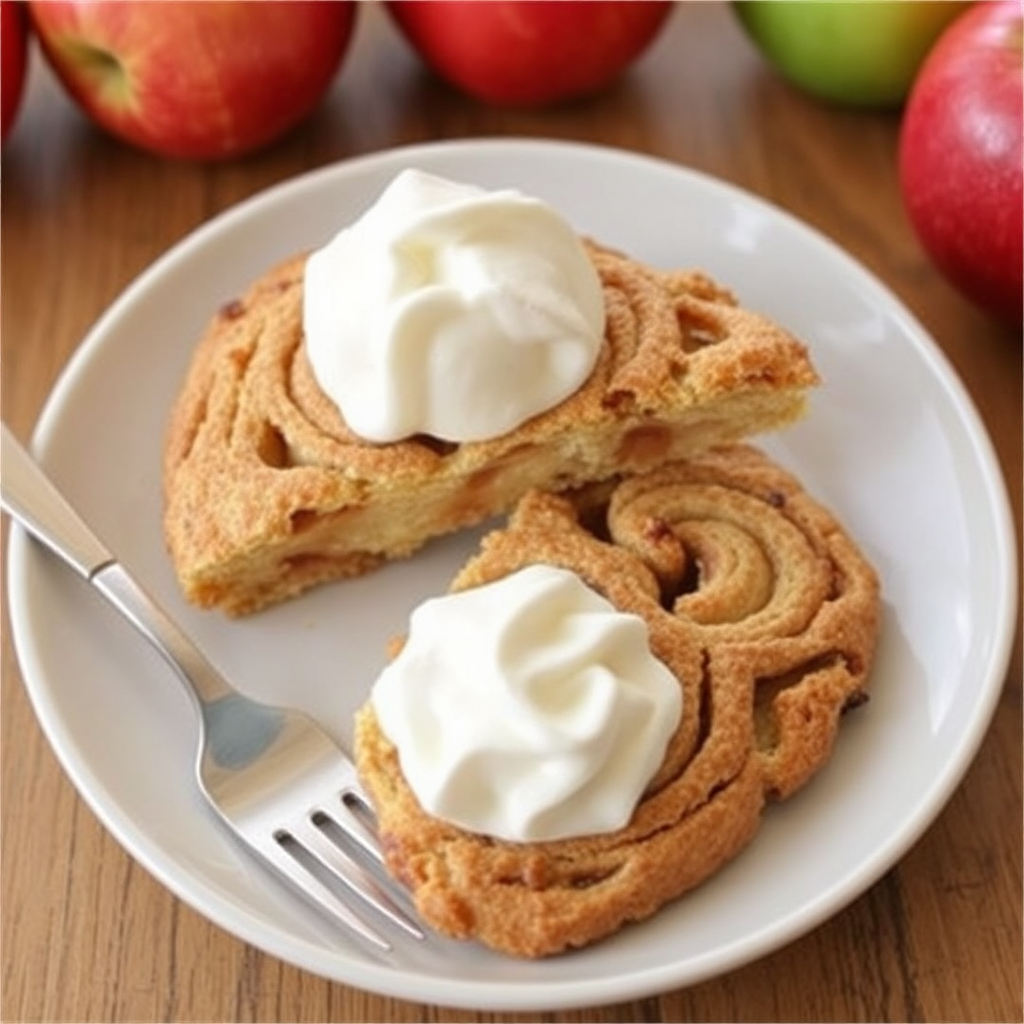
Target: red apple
point(529, 53)
point(200, 81)
point(961, 157)
point(14, 35)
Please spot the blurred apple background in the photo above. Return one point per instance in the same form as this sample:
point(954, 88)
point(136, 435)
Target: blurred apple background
point(330, 76)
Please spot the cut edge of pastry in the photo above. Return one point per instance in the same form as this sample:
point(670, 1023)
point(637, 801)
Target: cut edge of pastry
point(267, 493)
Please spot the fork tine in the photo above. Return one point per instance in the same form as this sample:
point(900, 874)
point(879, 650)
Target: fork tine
point(349, 822)
point(329, 854)
point(321, 895)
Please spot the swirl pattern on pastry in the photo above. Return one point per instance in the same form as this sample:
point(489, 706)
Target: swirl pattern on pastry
point(767, 613)
point(268, 492)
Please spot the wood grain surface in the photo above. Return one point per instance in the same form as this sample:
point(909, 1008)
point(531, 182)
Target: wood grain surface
point(88, 935)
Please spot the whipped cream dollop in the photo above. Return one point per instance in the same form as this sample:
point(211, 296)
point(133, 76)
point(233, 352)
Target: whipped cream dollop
point(528, 709)
point(452, 311)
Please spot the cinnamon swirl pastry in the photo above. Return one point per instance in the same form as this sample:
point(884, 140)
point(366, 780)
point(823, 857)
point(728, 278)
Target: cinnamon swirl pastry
point(765, 611)
point(268, 491)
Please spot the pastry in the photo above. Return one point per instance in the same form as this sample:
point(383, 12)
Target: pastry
point(268, 492)
point(765, 611)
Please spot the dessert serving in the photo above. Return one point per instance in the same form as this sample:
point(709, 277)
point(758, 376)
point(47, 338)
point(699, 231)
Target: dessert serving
point(439, 358)
point(660, 641)
point(537, 785)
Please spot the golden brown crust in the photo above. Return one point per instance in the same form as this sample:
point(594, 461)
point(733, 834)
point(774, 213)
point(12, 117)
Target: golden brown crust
point(267, 492)
point(766, 612)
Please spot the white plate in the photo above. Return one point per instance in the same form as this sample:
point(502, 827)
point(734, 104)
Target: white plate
point(892, 444)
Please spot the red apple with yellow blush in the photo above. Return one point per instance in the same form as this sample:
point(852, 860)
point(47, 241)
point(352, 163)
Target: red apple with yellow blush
point(201, 81)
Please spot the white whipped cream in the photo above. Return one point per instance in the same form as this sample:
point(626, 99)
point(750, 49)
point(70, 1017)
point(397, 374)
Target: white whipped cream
point(528, 709)
point(451, 311)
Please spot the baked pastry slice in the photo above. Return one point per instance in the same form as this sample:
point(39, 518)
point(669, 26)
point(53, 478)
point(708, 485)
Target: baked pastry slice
point(766, 612)
point(267, 491)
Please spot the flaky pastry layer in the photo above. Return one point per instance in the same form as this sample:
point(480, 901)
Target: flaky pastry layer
point(766, 612)
point(267, 492)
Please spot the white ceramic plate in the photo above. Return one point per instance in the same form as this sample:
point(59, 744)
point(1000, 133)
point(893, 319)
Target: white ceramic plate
point(892, 444)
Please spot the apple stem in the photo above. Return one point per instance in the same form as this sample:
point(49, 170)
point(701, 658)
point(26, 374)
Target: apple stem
point(102, 66)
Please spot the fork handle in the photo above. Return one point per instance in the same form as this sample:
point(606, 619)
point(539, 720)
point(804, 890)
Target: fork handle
point(31, 498)
point(28, 494)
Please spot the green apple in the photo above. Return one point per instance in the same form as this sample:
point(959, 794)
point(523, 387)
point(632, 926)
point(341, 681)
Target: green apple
point(858, 53)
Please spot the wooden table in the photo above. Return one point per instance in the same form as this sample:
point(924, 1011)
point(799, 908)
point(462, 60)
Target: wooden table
point(90, 936)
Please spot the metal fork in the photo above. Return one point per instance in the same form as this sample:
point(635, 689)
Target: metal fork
point(271, 774)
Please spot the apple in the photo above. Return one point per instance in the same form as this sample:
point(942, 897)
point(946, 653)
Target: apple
point(14, 37)
point(961, 156)
point(529, 53)
point(858, 54)
point(201, 81)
